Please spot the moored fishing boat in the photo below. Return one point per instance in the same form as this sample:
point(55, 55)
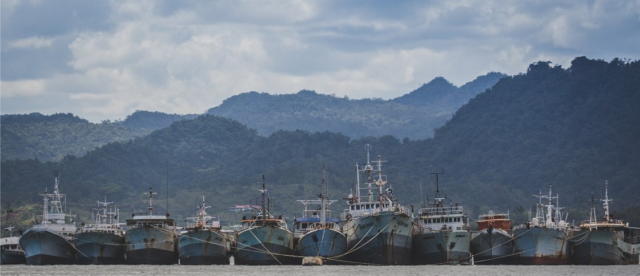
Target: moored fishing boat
point(492, 243)
point(203, 242)
point(10, 249)
point(151, 239)
point(50, 242)
point(545, 239)
point(264, 239)
point(316, 234)
point(102, 242)
point(378, 229)
point(607, 241)
point(441, 233)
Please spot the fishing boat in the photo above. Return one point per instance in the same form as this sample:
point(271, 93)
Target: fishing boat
point(203, 242)
point(607, 241)
point(544, 240)
point(492, 243)
point(441, 233)
point(316, 234)
point(102, 242)
point(51, 241)
point(378, 229)
point(151, 238)
point(264, 239)
point(10, 249)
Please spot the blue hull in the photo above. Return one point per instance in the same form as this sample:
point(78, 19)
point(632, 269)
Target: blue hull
point(441, 248)
point(203, 247)
point(44, 247)
point(383, 239)
point(148, 245)
point(326, 243)
point(540, 246)
point(265, 245)
point(602, 247)
point(492, 248)
point(100, 248)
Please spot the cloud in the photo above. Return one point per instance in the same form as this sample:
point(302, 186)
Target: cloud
point(109, 59)
point(32, 42)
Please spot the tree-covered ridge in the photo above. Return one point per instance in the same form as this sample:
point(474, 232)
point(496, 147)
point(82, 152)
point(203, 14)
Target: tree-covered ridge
point(51, 137)
point(414, 115)
point(573, 128)
point(55, 136)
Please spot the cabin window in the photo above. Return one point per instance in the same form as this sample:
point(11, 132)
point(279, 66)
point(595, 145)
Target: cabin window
point(377, 205)
point(425, 220)
point(353, 208)
point(357, 207)
point(367, 206)
point(304, 226)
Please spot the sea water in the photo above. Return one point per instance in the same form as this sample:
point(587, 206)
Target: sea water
point(316, 270)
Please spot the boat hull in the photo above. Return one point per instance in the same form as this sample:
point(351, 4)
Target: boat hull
point(602, 247)
point(325, 243)
point(540, 246)
point(149, 245)
point(203, 247)
point(265, 245)
point(441, 248)
point(383, 239)
point(100, 248)
point(13, 257)
point(44, 247)
point(492, 247)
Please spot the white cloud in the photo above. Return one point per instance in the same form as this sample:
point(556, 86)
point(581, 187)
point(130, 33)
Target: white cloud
point(186, 57)
point(31, 42)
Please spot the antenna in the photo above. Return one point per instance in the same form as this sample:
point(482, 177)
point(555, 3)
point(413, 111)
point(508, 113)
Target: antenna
point(167, 210)
point(437, 197)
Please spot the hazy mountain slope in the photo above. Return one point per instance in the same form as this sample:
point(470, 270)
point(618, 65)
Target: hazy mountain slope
point(414, 115)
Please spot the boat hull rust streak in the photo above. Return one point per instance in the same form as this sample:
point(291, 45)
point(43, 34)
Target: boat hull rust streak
point(492, 247)
point(540, 246)
point(44, 247)
point(100, 248)
point(251, 251)
point(203, 247)
point(603, 247)
point(327, 243)
point(445, 247)
point(388, 243)
point(150, 245)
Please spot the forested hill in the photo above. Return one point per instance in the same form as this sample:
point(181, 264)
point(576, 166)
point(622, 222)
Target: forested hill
point(414, 115)
point(573, 128)
point(51, 137)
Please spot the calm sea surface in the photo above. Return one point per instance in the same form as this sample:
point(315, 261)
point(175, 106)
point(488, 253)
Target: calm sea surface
point(315, 271)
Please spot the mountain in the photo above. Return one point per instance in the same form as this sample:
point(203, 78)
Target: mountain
point(573, 128)
point(51, 137)
point(414, 115)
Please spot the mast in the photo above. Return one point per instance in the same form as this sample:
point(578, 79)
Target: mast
point(264, 210)
point(539, 208)
point(323, 196)
point(592, 216)
point(437, 199)
point(151, 193)
point(605, 201)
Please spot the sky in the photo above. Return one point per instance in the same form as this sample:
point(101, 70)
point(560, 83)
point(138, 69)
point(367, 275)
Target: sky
point(103, 60)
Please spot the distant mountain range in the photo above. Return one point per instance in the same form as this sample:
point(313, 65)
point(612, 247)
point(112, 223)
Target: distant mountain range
point(572, 128)
point(414, 115)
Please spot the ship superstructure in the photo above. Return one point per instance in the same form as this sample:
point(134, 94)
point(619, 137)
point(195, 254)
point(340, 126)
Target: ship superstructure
point(606, 241)
point(378, 229)
point(51, 241)
point(203, 242)
point(545, 238)
point(102, 242)
point(264, 239)
point(151, 238)
point(441, 233)
point(316, 233)
point(492, 243)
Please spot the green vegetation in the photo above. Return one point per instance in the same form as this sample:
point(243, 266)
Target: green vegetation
point(414, 115)
point(573, 128)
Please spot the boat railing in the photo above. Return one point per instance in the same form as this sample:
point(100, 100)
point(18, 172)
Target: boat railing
point(439, 211)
